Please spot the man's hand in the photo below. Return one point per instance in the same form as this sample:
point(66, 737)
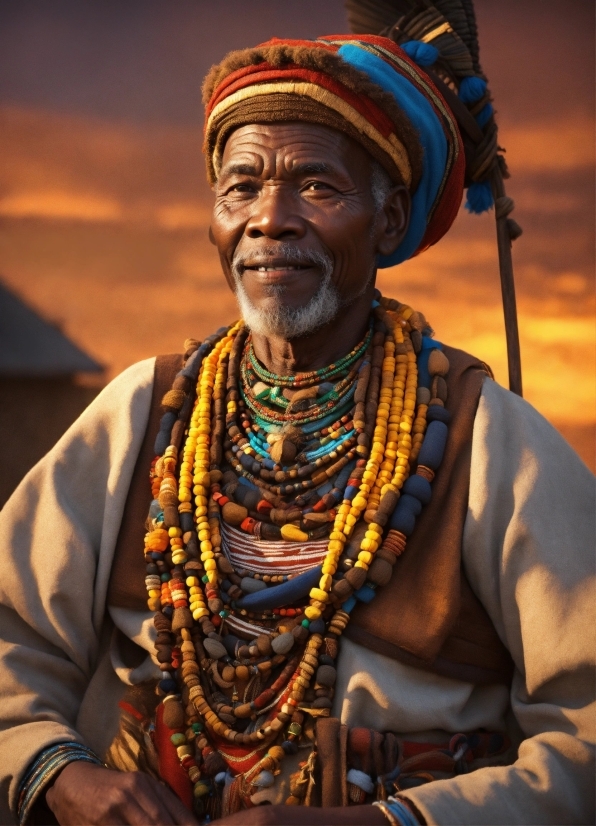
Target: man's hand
point(90, 794)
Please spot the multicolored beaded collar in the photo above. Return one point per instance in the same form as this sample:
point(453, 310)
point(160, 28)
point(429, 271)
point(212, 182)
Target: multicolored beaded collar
point(268, 523)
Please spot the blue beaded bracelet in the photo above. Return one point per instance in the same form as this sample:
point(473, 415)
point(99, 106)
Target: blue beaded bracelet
point(396, 812)
point(45, 766)
point(402, 812)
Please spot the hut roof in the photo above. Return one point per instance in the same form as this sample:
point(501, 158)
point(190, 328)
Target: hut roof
point(32, 347)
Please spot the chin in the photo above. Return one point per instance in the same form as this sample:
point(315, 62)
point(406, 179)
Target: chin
point(279, 318)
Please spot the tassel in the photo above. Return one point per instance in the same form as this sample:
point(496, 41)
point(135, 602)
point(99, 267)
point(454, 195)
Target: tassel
point(480, 197)
point(423, 54)
point(484, 115)
point(472, 89)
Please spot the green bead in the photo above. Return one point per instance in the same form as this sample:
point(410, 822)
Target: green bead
point(305, 623)
point(178, 739)
point(295, 728)
point(197, 728)
point(165, 577)
point(223, 614)
point(205, 578)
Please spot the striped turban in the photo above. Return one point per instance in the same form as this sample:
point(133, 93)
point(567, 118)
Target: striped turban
point(364, 86)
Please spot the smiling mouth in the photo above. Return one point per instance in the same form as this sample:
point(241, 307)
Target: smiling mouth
point(279, 268)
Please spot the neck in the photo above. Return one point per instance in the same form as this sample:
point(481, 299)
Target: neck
point(323, 347)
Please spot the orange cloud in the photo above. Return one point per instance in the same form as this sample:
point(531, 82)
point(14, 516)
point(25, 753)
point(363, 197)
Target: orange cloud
point(556, 146)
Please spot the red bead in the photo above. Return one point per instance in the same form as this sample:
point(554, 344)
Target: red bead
point(264, 506)
point(319, 506)
point(263, 699)
point(216, 620)
point(248, 525)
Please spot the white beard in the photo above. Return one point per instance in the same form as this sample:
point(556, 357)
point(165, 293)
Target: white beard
point(280, 320)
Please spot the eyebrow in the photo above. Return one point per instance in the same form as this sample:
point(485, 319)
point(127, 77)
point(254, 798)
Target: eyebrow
point(307, 168)
point(240, 169)
point(311, 168)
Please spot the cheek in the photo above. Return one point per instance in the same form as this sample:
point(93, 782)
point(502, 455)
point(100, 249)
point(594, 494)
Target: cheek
point(351, 243)
point(227, 227)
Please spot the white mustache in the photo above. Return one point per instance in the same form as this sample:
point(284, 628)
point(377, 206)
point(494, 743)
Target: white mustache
point(293, 255)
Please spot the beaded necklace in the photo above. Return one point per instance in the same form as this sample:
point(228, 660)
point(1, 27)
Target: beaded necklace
point(314, 376)
point(245, 655)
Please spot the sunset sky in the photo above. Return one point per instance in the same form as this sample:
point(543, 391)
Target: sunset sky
point(104, 210)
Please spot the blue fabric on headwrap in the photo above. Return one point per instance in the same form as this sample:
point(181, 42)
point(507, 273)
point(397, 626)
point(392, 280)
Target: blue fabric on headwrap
point(430, 131)
point(423, 54)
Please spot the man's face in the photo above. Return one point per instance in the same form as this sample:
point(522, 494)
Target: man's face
point(294, 208)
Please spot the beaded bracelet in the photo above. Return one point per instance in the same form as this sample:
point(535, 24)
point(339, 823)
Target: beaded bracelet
point(46, 766)
point(396, 812)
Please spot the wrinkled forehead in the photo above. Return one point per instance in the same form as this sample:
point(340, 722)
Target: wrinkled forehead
point(293, 147)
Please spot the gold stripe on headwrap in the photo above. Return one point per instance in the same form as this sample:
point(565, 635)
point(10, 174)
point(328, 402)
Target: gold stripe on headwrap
point(392, 146)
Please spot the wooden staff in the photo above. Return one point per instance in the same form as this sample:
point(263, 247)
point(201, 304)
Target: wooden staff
point(507, 231)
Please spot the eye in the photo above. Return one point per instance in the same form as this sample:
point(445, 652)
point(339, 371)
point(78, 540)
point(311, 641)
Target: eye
point(317, 186)
point(243, 189)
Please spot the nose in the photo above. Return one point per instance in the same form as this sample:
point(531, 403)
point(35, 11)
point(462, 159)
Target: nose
point(275, 216)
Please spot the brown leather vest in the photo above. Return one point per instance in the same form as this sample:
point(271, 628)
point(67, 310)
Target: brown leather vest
point(428, 615)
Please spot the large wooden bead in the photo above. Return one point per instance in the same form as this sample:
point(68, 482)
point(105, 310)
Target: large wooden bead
point(182, 618)
point(214, 648)
point(300, 633)
point(283, 643)
point(423, 395)
point(439, 388)
point(342, 589)
point(234, 514)
point(438, 363)
point(250, 585)
point(242, 673)
point(416, 338)
point(283, 452)
point(224, 565)
point(380, 572)
point(387, 504)
point(264, 645)
point(228, 673)
point(356, 577)
point(243, 711)
point(326, 675)
point(173, 714)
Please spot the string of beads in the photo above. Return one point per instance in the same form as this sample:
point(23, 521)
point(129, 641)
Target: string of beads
point(247, 656)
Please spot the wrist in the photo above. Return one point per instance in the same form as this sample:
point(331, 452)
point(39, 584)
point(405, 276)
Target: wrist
point(44, 770)
point(397, 812)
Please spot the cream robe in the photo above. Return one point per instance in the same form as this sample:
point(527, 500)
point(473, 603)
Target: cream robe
point(528, 554)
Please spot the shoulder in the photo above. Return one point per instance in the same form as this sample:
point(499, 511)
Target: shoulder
point(523, 472)
point(127, 397)
point(510, 431)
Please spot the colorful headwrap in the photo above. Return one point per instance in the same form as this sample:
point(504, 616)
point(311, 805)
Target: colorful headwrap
point(368, 88)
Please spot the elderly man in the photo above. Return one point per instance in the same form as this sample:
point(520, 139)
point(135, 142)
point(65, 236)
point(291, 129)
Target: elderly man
point(367, 565)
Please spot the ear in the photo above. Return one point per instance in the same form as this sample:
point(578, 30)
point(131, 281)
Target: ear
point(394, 220)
